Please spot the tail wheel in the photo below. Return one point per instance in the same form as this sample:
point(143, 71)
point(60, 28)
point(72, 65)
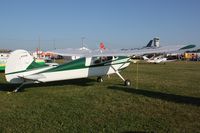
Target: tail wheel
point(127, 82)
point(99, 79)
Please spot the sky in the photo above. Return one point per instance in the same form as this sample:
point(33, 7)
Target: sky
point(49, 24)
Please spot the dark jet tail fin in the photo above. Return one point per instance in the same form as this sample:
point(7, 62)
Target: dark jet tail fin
point(150, 43)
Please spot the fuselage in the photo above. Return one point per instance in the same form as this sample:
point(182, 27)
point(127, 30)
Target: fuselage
point(80, 68)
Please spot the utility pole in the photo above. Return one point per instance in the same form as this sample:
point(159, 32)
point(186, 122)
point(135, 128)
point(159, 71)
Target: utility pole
point(54, 44)
point(39, 43)
point(38, 49)
point(82, 41)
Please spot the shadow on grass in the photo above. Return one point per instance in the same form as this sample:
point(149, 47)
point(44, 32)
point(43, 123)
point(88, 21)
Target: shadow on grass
point(77, 82)
point(160, 95)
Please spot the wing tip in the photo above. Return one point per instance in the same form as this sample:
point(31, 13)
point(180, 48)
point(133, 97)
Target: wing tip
point(188, 47)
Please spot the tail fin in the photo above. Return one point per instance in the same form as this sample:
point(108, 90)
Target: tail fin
point(150, 44)
point(18, 61)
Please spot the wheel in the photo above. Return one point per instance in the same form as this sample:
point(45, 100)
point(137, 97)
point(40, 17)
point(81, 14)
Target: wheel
point(127, 82)
point(99, 79)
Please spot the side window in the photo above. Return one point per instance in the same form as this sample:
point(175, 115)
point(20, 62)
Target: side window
point(109, 58)
point(97, 60)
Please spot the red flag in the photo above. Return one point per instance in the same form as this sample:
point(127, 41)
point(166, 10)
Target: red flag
point(102, 46)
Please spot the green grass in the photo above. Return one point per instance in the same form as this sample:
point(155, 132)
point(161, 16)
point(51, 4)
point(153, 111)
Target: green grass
point(167, 100)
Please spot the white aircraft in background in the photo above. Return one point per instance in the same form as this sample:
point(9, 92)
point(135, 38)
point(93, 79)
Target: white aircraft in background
point(157, 59)
point(22, 69)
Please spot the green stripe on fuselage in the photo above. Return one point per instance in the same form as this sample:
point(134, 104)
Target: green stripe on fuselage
point(80, 64)
point(76, 64)
point(35, 65)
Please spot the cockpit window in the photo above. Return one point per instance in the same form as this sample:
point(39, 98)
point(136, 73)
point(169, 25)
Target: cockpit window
point(98, 60)
point(109, 58)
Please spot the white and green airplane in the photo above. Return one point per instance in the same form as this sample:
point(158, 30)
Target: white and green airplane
point(22, 69)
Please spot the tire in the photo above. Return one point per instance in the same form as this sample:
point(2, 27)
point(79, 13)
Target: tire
point(127, 82)
point(99, 79)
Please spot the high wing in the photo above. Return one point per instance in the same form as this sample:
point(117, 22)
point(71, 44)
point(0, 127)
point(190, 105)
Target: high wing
point(71, 52)
point(117, 52)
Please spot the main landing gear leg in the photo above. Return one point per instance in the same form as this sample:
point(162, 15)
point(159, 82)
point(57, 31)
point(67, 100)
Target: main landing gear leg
point(18, 88)
point(126, 81)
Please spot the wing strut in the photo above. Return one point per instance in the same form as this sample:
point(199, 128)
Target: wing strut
point(117, 72)
point(24, 83)
point(126, 82)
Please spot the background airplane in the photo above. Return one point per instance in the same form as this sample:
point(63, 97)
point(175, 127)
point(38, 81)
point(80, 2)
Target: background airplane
point(157, 59)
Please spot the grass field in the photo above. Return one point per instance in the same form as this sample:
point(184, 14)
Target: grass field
point(167, 100)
